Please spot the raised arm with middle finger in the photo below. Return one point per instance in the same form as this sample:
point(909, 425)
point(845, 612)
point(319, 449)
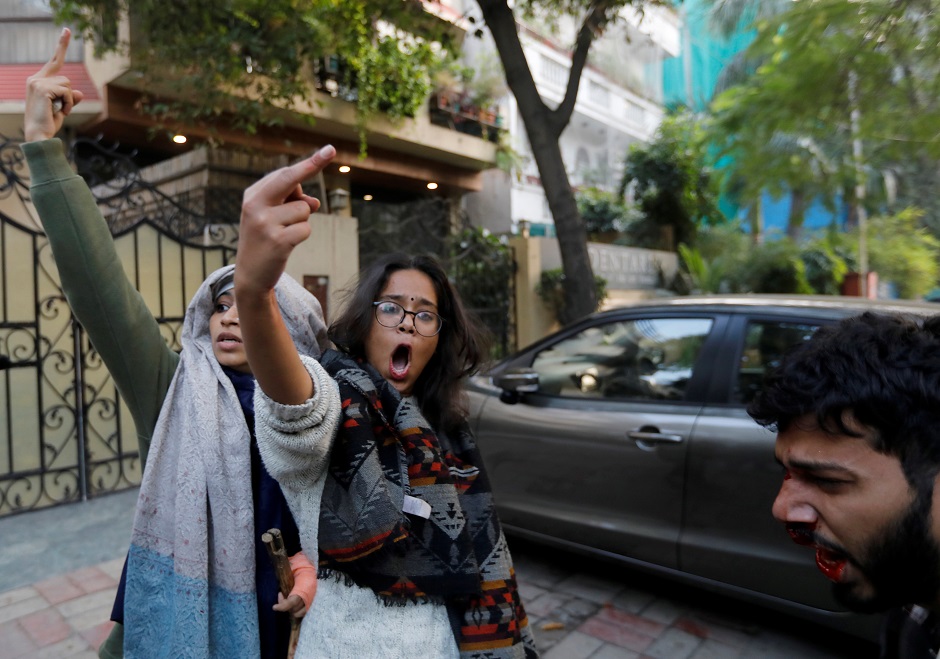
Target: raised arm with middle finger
point(41, 120)
point(274, 220)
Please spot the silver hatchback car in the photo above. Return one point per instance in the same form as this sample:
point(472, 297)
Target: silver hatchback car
point(626, 435)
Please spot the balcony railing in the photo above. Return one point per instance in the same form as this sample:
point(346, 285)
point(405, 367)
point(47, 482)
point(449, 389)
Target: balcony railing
point(457, 112)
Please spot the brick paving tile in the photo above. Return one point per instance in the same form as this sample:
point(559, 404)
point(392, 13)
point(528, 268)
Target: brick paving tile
point(545, 605)
point(715, 629)
point(574, 646)
point(16, 595)
point(674, 644)
point(589, 587)
point(91, 602)
point(71, 648)
point(15, 642)
point(662, 610)
point(92, 579)
point(619, 635)
point(22, 607)
point(96, 635)
point(715, 650)
point(580, 609)
point(641, 624)
point(632, 600)
point(59, 589)
point(45, 627)
point(113, 568)
point(91, 618)
point(545, 639)
point(609, 651)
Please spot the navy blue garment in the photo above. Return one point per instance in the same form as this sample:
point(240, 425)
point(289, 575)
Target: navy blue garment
point(271, 511)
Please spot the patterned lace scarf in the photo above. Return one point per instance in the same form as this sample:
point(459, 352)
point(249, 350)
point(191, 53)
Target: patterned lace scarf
point(191, 565)
point(385, 459)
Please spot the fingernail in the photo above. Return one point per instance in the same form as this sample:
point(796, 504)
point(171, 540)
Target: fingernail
point(327, 151)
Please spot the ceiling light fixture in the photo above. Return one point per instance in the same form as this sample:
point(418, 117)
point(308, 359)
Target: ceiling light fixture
point(179, 139)
point(432, 186)
point(344, 169)
point(367, 197)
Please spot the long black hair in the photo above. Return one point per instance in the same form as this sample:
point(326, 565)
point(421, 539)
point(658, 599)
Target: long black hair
point(461, 344)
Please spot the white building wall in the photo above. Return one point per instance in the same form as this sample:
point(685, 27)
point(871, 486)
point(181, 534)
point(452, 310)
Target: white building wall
point(619, 103)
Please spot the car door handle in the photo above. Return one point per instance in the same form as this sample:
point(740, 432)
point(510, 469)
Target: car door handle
point(654, 437)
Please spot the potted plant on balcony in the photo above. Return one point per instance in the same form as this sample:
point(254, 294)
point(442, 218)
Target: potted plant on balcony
point(486, 86)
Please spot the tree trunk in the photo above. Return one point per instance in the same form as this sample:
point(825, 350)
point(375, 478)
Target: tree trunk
point(755, 218)
point(797, 214)
point(543, 128)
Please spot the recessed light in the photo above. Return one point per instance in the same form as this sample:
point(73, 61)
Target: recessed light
point(179, 139)
point(432, 186)
point(367, 197)
point(344, 169)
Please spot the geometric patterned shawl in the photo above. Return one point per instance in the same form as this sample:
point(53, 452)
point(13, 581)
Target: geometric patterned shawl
point(191, 565)
point(408, 513)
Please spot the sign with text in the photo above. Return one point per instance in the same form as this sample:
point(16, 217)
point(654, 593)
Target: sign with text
point(632, 268)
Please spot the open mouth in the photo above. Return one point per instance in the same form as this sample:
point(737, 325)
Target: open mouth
point(227, 338)
point(831, 563)
point(400, 362)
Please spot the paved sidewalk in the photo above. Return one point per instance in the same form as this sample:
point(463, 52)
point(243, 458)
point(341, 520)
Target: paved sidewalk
point(59, 569)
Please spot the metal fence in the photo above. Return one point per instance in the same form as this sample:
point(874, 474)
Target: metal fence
point(64, 433)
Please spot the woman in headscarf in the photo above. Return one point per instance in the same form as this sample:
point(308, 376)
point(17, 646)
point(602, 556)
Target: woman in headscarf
point(198, 582)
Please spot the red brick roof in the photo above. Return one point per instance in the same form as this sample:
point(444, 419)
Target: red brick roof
point(13, 80)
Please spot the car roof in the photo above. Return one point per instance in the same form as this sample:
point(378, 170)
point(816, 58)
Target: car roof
point(841, 305)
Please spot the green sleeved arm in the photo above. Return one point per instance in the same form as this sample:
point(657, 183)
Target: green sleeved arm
point(112, 312)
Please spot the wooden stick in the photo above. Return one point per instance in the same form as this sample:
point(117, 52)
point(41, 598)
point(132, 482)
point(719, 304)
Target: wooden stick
point(274, 543)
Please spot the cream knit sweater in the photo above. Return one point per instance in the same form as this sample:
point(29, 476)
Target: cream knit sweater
point(344, 622)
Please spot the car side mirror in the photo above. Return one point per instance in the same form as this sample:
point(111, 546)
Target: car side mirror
point(515, 382)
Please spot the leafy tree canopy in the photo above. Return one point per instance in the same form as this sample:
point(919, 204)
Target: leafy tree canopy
point(815, 63)
point(672, 183)
point(243, 57)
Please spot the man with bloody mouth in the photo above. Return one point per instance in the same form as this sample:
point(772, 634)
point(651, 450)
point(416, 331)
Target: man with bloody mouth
point(857, 414)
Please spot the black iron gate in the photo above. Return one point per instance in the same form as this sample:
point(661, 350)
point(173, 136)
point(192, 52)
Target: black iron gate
point(64, 433)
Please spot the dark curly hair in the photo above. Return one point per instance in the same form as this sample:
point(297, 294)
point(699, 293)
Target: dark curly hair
point(461, 348)
point(884, 370)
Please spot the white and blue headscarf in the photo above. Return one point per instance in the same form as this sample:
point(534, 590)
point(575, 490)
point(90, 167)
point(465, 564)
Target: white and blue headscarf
point(191, 566)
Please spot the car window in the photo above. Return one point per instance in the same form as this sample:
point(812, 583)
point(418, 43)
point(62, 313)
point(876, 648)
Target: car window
point(764, 344)
point(648, 359)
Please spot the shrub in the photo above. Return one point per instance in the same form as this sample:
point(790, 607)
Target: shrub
point(551, 291)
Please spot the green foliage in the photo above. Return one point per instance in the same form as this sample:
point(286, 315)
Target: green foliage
point(550, 290)
point(672, 184)
point(903, 252)
point(775, 267)
point(788, 127)
point(727, 260)
point(391, 78)
point(246, 58)
point(482, 268)
point(703, 276)
point(825, 268)
point(602, 212)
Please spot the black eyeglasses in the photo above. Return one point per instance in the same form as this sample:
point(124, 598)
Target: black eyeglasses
point(390, 314)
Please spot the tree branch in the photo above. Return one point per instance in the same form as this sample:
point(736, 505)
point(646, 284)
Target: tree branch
point(593, 26)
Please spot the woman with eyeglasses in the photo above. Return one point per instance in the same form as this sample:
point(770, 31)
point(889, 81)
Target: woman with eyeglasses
point(385, 482)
